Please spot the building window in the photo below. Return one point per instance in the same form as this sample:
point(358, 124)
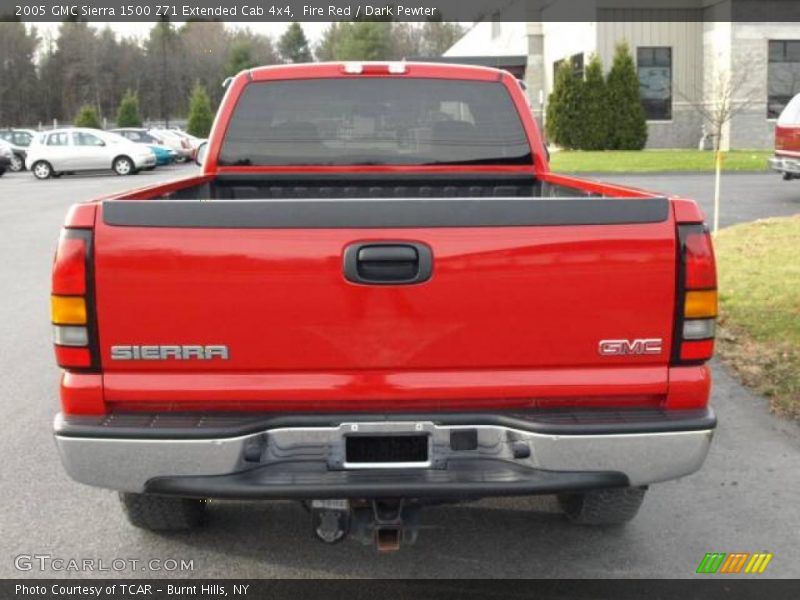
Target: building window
point(783, 75)
point(654, 66)
point(575, 61)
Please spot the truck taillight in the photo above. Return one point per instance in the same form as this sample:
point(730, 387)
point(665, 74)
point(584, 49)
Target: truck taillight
point(71, 302)
point(696, 309)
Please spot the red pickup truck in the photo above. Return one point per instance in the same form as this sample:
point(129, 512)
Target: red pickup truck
point(377, 296)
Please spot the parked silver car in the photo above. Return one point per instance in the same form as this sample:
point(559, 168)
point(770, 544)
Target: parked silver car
point(60, 151)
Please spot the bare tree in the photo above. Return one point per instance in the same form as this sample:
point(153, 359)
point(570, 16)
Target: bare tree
point(726, 94)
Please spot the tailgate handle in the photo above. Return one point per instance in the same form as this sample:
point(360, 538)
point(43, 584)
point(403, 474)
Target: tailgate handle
point(388, 263)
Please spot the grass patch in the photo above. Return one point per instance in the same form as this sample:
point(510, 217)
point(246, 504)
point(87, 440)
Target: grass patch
point(759, 283)
point(645, 161)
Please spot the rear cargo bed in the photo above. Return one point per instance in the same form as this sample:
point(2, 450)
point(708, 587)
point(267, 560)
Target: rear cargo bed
point(347, 185)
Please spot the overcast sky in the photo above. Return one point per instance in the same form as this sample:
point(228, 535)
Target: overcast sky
point(127, 29)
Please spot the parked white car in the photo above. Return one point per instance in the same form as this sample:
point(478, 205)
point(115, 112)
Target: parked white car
point(60, 151)
point(194, 141)
point(171, 139)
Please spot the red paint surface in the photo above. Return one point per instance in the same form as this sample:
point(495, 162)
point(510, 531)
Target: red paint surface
point(689, 387)
point(81, 215)
point(82, 394)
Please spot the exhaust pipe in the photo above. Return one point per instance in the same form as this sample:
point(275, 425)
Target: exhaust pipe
point(387, 539)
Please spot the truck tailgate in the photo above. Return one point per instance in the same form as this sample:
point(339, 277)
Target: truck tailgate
point(521, 294)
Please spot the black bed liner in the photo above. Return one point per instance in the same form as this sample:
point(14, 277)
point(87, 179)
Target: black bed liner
point(296, 186)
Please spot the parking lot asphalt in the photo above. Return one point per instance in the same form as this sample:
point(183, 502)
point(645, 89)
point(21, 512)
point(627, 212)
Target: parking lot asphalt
point(743, 196)
point(745, 499)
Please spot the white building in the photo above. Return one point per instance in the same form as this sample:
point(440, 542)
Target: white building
point(503, 45)
point(682, 63)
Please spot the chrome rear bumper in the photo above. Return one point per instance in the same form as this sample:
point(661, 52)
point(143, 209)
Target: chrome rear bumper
point(311, 460)
point(784, 164)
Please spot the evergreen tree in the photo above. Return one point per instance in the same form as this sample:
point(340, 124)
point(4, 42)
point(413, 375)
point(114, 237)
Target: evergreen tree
point(128, 112)
point(293, 45)
point(240, 57)
point(628, 123)
point(328, 47)
point(201, 117)
point(367, 40)
point(87, 117)
point(164, 87)
point(563, 118)
point(75, 61)
point(360, 40)
point(19, 93)
point(594, 130)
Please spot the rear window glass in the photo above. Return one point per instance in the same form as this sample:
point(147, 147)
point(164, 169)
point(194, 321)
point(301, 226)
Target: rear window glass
point(375, 122)
point(58, 139)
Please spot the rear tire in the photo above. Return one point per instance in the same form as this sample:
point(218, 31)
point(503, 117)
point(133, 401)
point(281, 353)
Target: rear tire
point(123, 166)
point(603, 507)
point(162, 513)
point(42, 170)
point(17, 164)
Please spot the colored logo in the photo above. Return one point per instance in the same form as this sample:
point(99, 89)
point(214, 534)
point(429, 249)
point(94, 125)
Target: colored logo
point(735, 562)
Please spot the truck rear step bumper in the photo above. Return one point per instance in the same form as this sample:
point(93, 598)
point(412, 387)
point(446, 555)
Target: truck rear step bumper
point(474, 478)
point(467, 455)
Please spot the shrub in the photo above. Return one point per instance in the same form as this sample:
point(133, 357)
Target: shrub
point(628, 123)
point(128, 111)
point(87, 117)
point(201, 116)
point(240, 57)
point(293, 45)
point(563, 108)
point(593, 132)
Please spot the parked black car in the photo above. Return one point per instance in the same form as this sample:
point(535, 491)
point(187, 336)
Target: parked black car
point(19, 140)
point(6, 155)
